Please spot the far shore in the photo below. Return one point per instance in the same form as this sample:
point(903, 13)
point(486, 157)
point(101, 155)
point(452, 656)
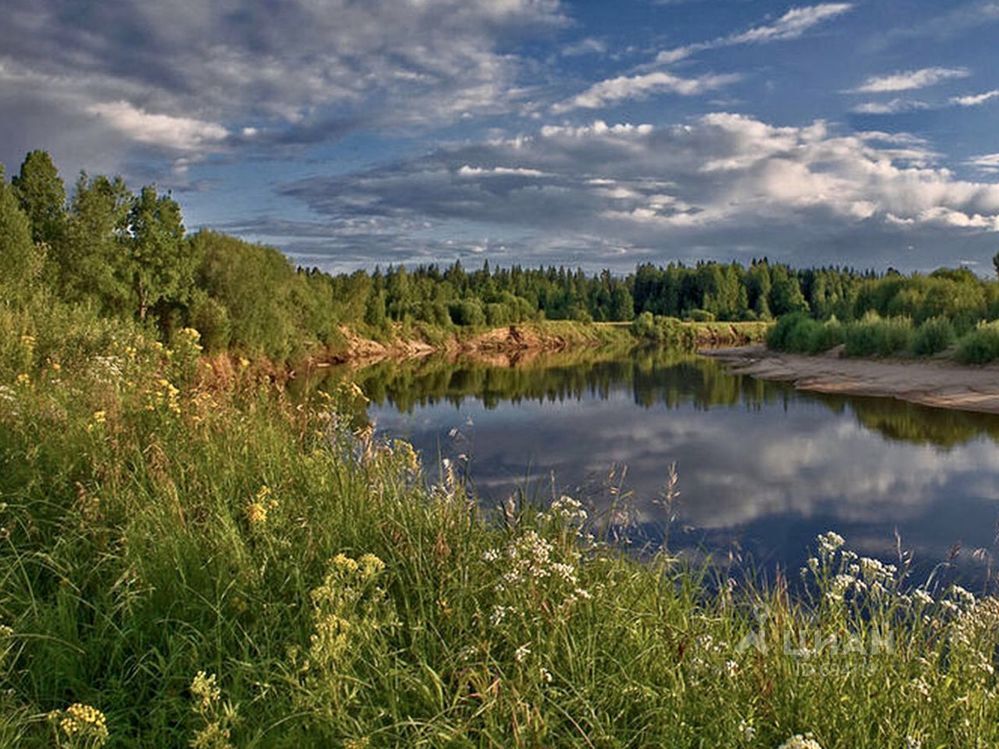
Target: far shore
point(930, 382)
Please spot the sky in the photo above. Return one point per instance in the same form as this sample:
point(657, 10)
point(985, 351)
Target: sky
point(599, 134)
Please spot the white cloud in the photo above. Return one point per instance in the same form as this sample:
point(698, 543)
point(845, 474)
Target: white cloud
point(988, 162)
point(503, 171)
point(974, 100)
point(587, 46)
point(724, 184)
point(910, 79)
point(791, 25)
point(642, 86)
point(894, 106)
point(179, 133)
point(303, 73)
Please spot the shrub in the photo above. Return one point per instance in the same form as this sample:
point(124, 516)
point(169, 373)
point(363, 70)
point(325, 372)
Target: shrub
point(980, 346)
point(933, 336)
point(700, 315)
point(778, 336)
point(877, 336)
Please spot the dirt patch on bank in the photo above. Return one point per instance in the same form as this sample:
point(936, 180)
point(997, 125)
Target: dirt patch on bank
point(508, 345)
point(937, 383)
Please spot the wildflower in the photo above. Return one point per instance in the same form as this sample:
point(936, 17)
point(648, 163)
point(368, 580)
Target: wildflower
point(256, 513)
point(344, 563)
point(100, 417)
point(204, 688)
point(921, 596)
point(520, 655)
point(911, 742)
point(801, 742)
point(56, 366)
point(82, 723)
point(830, 542)
point(746, 731)
point(23, 379)
point(568, 510)
point(499, 614)
point(546, 676)
point(370, 565)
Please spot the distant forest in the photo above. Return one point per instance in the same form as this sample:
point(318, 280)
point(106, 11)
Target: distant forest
point(127, 253)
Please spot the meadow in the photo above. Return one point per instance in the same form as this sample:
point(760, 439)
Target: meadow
point(191, 557)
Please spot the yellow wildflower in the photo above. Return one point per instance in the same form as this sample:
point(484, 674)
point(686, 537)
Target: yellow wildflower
point(100, 417)
point(256, 513)
point(371, 565)
point(23, 379)
point(344, 563)
point(84, 722)
point(205, 690)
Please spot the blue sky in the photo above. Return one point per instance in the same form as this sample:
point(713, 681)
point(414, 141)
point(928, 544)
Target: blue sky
point(599, 134)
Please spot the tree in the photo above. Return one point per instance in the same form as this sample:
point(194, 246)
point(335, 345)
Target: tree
point(90, 259)
point(995, 262)
point(19, 260)
point(162, 263)
point(43, 197)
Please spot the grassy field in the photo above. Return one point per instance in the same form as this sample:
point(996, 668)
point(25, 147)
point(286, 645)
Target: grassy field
point(195, 559)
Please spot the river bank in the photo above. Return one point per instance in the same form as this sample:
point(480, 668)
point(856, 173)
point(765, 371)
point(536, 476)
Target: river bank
point(516, 343)
point(930, 382)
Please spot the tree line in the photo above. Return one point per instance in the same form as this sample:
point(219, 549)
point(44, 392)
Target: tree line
point(128, 254)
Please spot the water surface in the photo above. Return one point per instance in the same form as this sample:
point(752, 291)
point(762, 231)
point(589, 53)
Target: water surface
point(762, 467)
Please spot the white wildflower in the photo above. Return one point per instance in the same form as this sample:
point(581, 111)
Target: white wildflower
point(829, 543)
point(520, 655)
point(801, 742)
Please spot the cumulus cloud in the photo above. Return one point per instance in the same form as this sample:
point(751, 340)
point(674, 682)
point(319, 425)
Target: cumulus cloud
point(909, 80)
point(726, 185)
point(791, 25)
point(642, 86)
point(974, 100)
point(180, 133)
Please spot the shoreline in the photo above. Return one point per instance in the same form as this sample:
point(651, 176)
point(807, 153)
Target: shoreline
point(519, 341)
point(937, 383)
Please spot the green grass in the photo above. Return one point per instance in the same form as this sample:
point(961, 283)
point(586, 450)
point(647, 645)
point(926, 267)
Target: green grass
point(209, 563)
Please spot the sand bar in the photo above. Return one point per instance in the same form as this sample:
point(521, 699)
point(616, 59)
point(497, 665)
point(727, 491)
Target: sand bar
point(929, 382)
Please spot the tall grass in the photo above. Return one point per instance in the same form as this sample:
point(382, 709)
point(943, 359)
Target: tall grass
point(190, 558)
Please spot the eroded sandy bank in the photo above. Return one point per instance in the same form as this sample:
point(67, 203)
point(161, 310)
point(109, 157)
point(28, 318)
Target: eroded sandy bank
point(938, 383)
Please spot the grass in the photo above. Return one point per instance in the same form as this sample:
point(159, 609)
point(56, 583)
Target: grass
point(192, 558)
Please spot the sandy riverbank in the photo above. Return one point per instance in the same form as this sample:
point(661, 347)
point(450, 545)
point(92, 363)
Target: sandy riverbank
point(938, 383)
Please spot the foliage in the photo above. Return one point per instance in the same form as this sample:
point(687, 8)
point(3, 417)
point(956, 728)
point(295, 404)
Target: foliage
point(980, 346)
point(19, 259)
point(193, 558)
point(933, 336)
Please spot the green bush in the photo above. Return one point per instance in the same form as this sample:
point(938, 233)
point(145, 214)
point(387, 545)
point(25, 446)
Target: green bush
point(877, 336)
point(933, 336)
point(777, 338)
point(980, 346)
point(700, 315)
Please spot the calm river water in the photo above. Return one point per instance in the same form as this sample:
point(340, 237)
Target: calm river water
point(762, 467)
